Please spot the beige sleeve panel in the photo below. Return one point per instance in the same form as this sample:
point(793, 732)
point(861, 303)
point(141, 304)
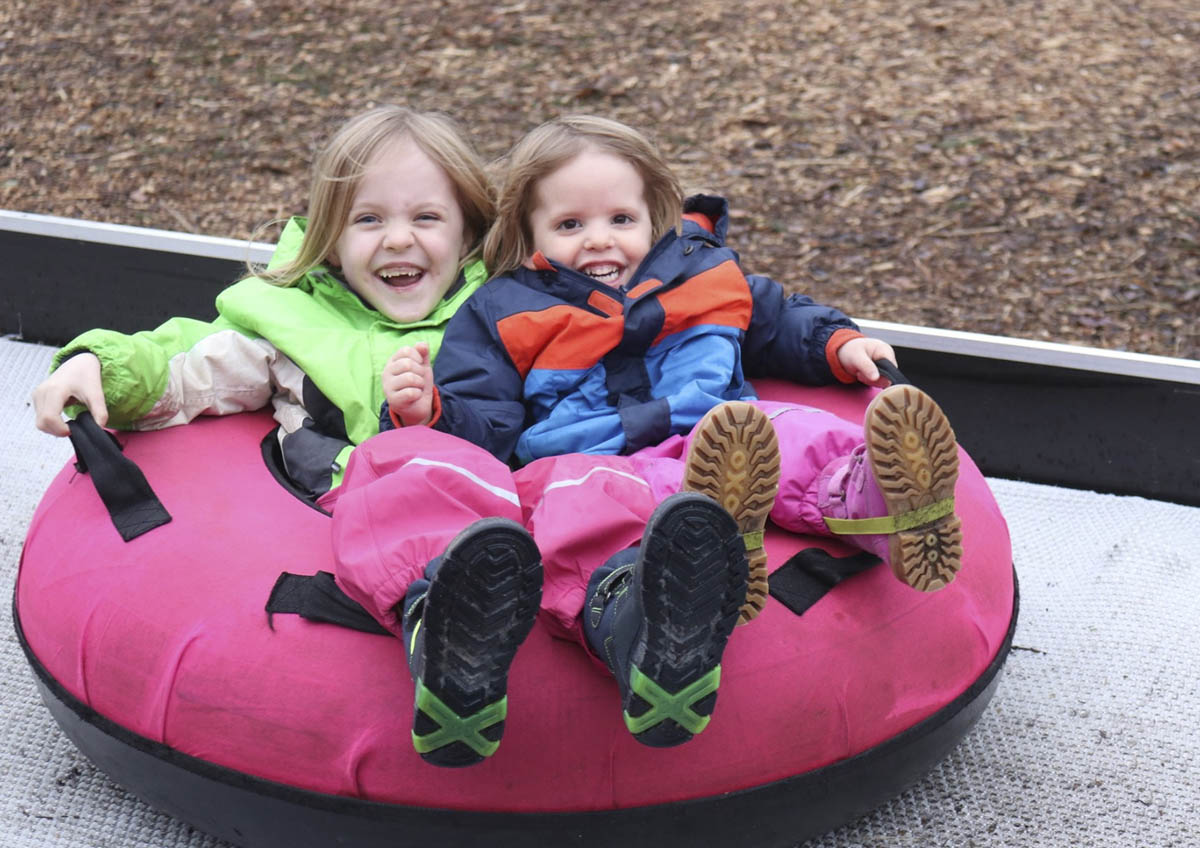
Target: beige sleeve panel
point(224, 373)
point(288, 399)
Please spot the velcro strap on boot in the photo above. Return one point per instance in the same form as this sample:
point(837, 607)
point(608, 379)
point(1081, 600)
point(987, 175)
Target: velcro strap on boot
point(888, 524)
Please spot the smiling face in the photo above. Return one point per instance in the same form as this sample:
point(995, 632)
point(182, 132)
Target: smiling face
point(403, 237)
point(591, 215)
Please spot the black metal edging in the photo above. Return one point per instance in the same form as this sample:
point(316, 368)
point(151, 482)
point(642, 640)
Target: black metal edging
point(257, 813)
point(54, 288)
point(1068, 427)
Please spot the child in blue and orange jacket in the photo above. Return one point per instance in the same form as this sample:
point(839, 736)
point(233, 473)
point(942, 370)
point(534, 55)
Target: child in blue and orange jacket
point(609, 357)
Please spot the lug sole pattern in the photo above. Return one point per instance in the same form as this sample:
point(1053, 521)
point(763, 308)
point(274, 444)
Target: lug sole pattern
point(734, 459)
point(693, 583)
point(914, 457)
point(479, 609)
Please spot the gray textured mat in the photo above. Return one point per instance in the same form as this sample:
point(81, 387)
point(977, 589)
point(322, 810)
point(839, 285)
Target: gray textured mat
point(1091, 739)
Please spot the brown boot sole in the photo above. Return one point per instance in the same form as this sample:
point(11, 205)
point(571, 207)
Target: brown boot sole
point(914, 456)
point(734, 459)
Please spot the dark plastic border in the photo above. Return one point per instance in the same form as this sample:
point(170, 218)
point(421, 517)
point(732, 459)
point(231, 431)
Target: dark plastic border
point(52, 289)
point(249, 811)
point(1068, 427)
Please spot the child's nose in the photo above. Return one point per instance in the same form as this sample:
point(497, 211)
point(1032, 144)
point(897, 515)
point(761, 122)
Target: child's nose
point(597, 237)
point(397, 236)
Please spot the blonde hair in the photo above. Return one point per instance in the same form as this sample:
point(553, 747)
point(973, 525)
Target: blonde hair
point(339, 167)
point(546, 149)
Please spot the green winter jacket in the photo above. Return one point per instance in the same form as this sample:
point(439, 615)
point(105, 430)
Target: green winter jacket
point(314, 350)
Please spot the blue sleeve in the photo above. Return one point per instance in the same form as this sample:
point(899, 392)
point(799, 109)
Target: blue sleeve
point(385, 418)
point(787, 336)
point(480, 390)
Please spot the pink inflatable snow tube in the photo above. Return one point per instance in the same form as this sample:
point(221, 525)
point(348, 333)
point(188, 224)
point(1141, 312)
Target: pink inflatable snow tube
point(166, 636)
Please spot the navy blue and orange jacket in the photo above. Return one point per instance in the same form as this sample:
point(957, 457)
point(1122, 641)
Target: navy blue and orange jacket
point(549, 361)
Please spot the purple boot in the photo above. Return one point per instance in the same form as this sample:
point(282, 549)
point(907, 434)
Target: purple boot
point(894, 495)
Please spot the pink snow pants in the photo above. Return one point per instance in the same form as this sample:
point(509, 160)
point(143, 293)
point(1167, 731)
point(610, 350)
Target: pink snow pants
point(407, 493)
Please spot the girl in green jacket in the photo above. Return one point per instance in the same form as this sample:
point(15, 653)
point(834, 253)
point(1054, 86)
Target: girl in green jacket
point(398, 208)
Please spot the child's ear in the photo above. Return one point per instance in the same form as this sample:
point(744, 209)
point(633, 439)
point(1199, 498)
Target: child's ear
point(333, 260)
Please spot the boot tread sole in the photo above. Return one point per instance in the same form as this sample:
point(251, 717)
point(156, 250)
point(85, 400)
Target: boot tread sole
point(734, 459)
point(480, 607)
point(914, 458)
point(692, 583)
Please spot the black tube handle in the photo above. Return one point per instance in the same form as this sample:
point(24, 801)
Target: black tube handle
point(887, 369)
point(131, 503)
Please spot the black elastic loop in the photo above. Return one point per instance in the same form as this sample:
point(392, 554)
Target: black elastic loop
point(316, 597)
point(887, 369)
point(811, 573)
point(131, 503)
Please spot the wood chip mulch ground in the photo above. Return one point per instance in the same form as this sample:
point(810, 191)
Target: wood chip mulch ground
point(1027, 168)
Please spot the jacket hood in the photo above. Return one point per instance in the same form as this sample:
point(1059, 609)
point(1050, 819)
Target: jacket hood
point(715, 208)
point(288, 246)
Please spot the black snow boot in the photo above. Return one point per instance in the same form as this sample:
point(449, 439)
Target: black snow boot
point(660, 617)
point(462, 626)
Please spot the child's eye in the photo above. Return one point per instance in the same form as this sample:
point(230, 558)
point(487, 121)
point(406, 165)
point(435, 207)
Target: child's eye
point(622, 219)
point(429, 216)
point(568, 224)
point(367, 218)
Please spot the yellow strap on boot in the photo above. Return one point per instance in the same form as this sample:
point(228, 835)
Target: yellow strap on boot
point(887, 524)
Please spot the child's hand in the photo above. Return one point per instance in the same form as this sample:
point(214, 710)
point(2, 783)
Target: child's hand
point(858, 357)
point(75, 381)
point(408, 384)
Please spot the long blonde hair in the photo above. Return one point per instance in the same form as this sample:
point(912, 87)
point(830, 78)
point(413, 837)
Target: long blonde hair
point(340, 165)
point(547, 148)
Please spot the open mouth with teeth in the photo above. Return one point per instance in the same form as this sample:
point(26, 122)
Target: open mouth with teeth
point(400, 277)
point(607, 272)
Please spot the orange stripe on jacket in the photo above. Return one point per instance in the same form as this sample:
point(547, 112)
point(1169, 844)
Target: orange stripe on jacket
point(559, 338)
point(839, 338)
point(719, 296)
point(435, 411)
point(606, 303)
point(643, 287)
